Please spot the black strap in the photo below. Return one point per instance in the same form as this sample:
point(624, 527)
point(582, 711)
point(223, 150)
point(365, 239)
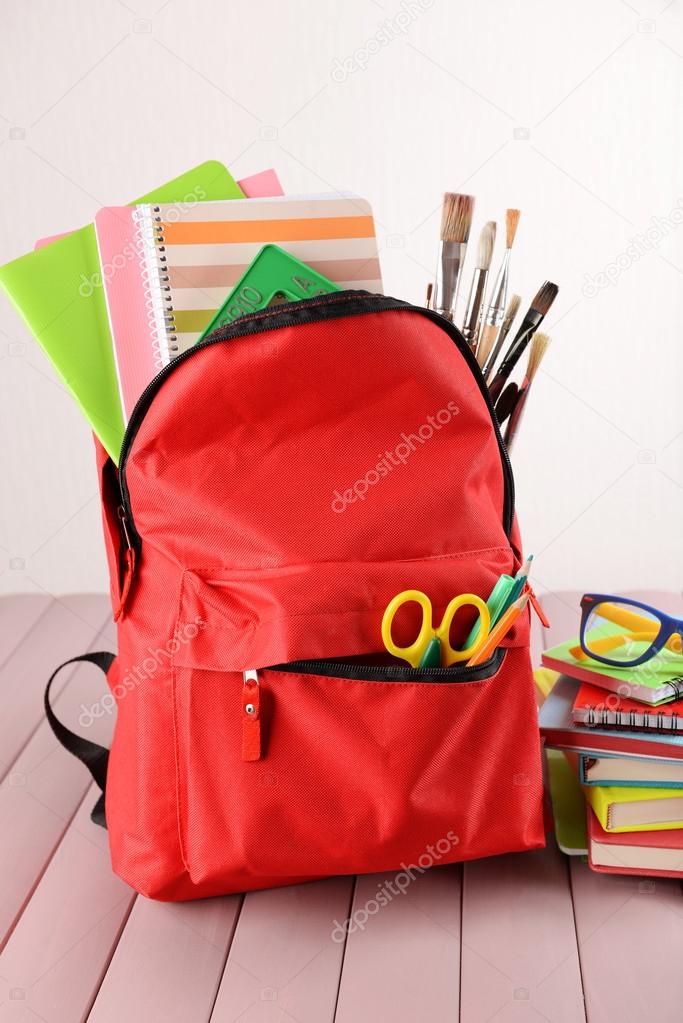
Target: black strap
point(89, 753)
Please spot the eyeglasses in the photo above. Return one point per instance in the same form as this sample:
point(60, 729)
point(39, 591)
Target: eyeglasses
point(625, 633)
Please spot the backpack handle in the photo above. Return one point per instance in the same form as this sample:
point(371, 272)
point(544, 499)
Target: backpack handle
point(94, 756)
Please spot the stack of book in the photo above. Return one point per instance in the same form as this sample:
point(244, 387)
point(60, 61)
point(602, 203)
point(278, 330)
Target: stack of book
point(627, 754)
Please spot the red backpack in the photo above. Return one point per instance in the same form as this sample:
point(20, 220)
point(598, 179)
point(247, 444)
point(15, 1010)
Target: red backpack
point(279, 483)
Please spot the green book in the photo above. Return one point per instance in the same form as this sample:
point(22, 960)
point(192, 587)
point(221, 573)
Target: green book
point(654, 682)
point(58, 291)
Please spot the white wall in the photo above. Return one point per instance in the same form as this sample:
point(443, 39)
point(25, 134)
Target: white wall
point(570, 111)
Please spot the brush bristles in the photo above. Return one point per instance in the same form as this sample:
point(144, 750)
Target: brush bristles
point(539, 347)
point(456, 217)
point(513, 308)
point(544, 297)
point(511, 222)
point(487, 239)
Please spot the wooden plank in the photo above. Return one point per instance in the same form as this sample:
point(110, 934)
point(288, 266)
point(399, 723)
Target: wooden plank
point(58, 953)
point(61, 633)
point(630, 932)
point(403, 963)
point(284, 961)
point(18, 615)
point(42, 789)
point(168, 962)
point(519, 951)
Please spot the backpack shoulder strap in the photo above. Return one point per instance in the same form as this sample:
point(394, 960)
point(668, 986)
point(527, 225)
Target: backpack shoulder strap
point(94, 757)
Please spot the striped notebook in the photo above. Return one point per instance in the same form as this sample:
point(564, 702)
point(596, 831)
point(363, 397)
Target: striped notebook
point(167, 269)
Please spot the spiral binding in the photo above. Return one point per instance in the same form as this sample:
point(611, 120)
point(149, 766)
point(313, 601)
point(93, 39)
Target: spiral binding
point(603, 717)
point(149, 241)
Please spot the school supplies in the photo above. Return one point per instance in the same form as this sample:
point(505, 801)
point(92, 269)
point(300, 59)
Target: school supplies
point(187, 260)
point(634, 809)
point(58, 291)
point(539, 346)
point(535, 315)
point(560, 732)
point(506, 403)
point(499, 631)
point(519, 582)
point(496, 603)
point(496, 309)
point(636, 772)
point(430, 639)
point(488, 360)
point(272, 277)
point(661, 683)
point(456, 222)
point(596, 708)
point(653, 853)
point(475, 302)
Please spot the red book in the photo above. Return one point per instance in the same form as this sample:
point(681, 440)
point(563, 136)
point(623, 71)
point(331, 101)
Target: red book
point(654, 853)
point(596, 708)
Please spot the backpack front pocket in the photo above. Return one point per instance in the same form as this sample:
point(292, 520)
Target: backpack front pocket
point(354, 774)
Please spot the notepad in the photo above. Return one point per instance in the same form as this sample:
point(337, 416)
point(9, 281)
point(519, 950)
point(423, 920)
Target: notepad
point(636, 809)
point(632, 772)
point(642, 852)
point(57, 291)
point(597, 709)
point(656, 682)
point(187, 260)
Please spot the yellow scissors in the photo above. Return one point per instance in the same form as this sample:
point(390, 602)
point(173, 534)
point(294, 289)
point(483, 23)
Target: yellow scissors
point(433, 645)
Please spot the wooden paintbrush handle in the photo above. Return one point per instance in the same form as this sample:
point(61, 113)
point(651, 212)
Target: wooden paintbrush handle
point(486, 342)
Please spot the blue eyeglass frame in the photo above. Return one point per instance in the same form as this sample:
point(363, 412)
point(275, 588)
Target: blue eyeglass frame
point(669, 626)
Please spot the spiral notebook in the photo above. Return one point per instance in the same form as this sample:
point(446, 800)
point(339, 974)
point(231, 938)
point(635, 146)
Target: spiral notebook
point(169, 268)
point(595, 708)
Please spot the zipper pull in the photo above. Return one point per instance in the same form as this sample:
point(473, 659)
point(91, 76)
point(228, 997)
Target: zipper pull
point(540, 613)
point(251, 716)
point(129, 563)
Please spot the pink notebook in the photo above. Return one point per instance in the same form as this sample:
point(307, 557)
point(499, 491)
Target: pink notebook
point(137, 361)
point(168, 268)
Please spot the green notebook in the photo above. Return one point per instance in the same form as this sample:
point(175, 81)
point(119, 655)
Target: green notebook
point(56, 291)
point(657, 681)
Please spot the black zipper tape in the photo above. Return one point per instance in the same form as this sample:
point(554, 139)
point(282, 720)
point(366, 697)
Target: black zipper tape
point(331, 668)
point(309, 310)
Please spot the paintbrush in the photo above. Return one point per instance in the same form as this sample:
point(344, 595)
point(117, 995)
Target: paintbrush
point(540, 305)
point(456, 221)
point(428, 302)
point(487, 360)
point(496, 309)
point(475, 302)
point(539, 347)
point(506, 403)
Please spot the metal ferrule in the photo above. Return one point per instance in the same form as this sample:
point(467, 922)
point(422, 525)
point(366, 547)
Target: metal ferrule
point(448, 275)
point(475, 306)
point(499, 295)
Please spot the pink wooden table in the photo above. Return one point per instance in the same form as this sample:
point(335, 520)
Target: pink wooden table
point(522, 937)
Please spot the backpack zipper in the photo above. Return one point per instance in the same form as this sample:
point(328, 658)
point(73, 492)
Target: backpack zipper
point(289, 315)
point(394, 673)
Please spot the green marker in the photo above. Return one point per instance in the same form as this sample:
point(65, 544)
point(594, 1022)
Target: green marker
point(272, 278)
point(496, 604)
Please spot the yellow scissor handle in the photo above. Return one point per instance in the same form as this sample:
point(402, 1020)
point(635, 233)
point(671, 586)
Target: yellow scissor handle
point(448, 654)
point(413, 653)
